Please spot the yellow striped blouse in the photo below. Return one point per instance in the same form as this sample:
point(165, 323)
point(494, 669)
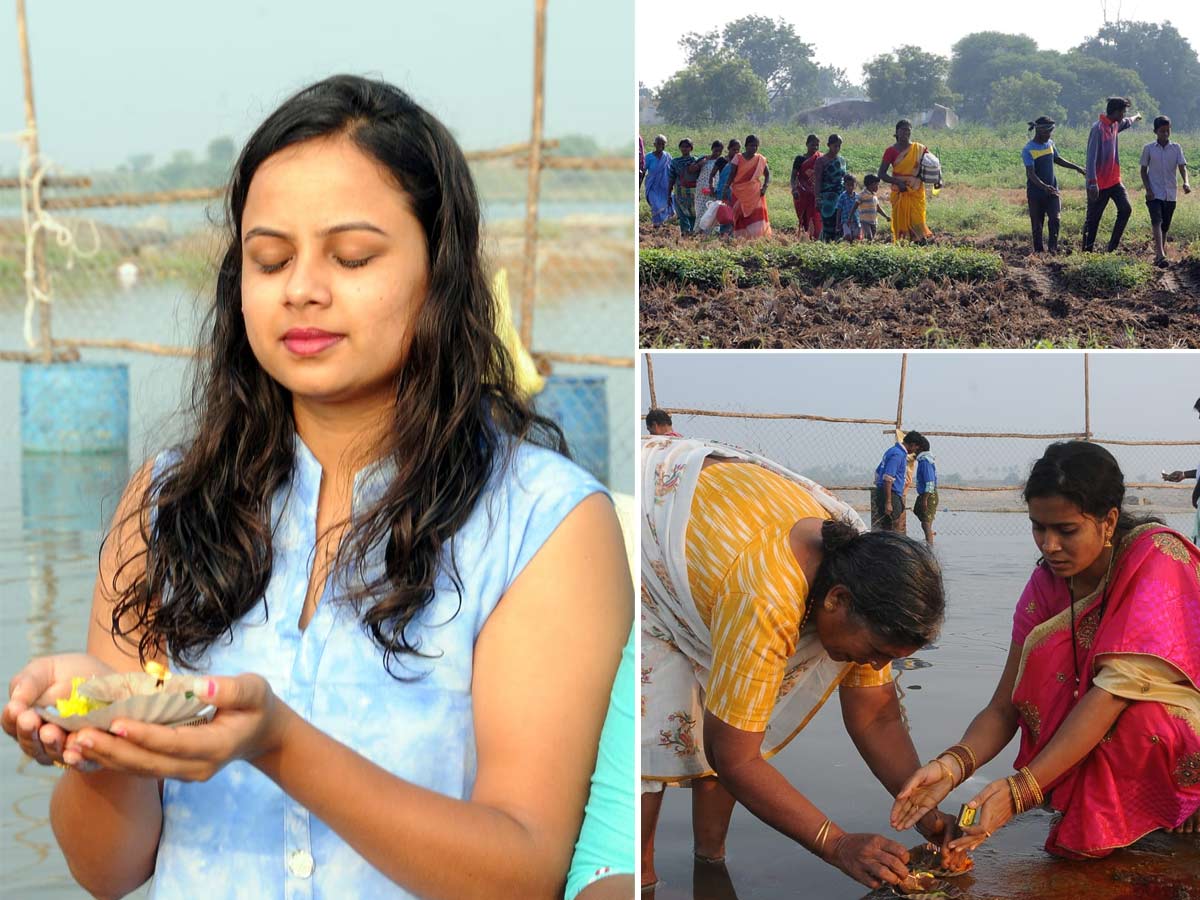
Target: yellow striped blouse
point(749, 589)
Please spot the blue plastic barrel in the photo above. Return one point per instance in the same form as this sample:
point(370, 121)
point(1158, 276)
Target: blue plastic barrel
point(74, 407)
point(579, 404)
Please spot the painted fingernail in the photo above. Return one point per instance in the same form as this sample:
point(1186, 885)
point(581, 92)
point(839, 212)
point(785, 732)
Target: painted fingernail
point(85, 743)
point(118, 730)
point(212, 689)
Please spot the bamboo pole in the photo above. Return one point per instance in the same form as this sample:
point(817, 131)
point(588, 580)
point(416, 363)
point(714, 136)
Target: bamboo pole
point(900, 399)
point(650, 378)
point(1087, 401)
point(50, 181)
point(142, 198)
point(529, 286)
point(719, 414)
point(584, 359)
point(39, 238)
point(25, 356)
point(517, 150)
point(122, 344)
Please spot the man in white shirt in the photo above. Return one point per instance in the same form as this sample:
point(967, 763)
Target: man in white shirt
point(1160, 159)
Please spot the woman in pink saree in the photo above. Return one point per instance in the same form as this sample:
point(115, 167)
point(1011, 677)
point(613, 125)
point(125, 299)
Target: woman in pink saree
point(1102, 675)
point(749, 189)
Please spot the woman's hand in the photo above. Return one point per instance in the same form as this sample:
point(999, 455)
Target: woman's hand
point(870, 859)
point(40, 683)
point(995, 807)
point(250, 722)
point(921, 794)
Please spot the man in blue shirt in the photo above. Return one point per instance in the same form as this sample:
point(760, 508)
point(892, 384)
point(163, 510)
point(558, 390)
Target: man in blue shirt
point(1041, 185)
point(887, 499)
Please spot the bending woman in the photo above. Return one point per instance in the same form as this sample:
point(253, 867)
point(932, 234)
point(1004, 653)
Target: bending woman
point(1101, 677)
point(908, 191)
point(760, 597)
point(370, 552)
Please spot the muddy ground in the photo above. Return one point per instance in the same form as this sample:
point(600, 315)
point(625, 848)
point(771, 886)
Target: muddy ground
point(1027, 306)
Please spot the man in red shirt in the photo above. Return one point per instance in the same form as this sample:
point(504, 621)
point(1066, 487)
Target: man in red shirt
point(1103, 169)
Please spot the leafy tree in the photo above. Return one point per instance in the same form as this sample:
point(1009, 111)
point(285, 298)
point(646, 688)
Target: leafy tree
point(777, 56)
point(1025, 97)
point(1088, 82)
point(719, 88)
point(221, 151)
point(1161, 56)
point(908, 80)
point(973, 63)
point(140, 162)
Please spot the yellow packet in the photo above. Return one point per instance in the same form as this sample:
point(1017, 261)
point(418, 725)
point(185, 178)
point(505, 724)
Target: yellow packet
point(78, 704)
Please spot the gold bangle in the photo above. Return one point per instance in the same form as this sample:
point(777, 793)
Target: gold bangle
point(970, 753)
point(962, 763)
point(822, 836)
point(61, 765)
point(1016, 795)
point(945, 768)
point(1034, 788)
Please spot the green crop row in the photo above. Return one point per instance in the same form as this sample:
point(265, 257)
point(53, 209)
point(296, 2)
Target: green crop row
point(1105, 273)
point(761, 264)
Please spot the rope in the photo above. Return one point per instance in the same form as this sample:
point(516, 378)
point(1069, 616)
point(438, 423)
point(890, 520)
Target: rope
point(34, 219)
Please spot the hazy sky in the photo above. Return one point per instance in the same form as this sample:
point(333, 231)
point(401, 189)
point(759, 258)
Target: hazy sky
point(846, 37)
point(1134, 396)
point(112, 79)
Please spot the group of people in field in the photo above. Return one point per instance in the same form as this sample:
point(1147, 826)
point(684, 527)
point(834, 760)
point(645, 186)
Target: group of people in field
point(1161, 161)
point(725, 191)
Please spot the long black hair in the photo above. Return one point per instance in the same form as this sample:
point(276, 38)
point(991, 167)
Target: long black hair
point(1086, 475)
point(457, 412)
point(895, 583)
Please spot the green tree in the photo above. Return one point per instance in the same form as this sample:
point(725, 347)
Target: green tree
point(719, 88)
point(974, 61)
point(908, 80)
point(775, 54)
point(140, 162)
point(221, 151)
point(1163, 59)
point(1088, 82)
point(1025, 97)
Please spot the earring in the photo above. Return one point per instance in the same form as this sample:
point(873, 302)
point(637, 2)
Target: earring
point(1107, 540)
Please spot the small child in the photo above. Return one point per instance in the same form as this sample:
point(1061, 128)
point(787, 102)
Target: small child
point(847, 211)
point(868, 208)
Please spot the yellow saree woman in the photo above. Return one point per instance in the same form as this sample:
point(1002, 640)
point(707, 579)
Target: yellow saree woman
point(908, 205)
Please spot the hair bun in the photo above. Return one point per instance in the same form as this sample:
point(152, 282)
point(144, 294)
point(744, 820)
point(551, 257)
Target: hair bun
point(835, 535)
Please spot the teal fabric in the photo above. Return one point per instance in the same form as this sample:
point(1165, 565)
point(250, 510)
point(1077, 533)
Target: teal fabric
point(605, 845)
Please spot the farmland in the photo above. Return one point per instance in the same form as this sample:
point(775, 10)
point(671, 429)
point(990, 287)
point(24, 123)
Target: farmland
point(978, 286)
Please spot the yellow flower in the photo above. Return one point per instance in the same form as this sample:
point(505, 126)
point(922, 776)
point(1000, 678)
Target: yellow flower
point(77, 705)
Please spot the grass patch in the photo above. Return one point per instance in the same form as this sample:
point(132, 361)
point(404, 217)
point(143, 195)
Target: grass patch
point(763, 263)
point(1105, 273)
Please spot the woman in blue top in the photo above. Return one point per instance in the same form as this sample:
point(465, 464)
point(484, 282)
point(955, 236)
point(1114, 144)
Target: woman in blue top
point(372, 521)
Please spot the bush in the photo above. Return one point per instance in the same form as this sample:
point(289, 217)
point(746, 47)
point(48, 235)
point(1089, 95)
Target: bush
point(813, 263)
point(1105, 273)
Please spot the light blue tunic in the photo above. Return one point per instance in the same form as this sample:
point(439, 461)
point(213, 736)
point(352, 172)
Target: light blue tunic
point(238, 835)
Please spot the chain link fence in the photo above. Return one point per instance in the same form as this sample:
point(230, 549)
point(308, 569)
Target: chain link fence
point(128, 256)
point(980, 474)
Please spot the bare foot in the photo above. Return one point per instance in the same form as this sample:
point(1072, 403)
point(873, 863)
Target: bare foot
point(1191, 825)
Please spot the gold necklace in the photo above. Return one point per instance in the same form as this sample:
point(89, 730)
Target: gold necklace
point(1071, 602)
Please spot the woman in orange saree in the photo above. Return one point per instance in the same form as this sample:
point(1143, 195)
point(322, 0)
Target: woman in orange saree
point(908, 192)
point(749, 189)
point(1102, 676)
